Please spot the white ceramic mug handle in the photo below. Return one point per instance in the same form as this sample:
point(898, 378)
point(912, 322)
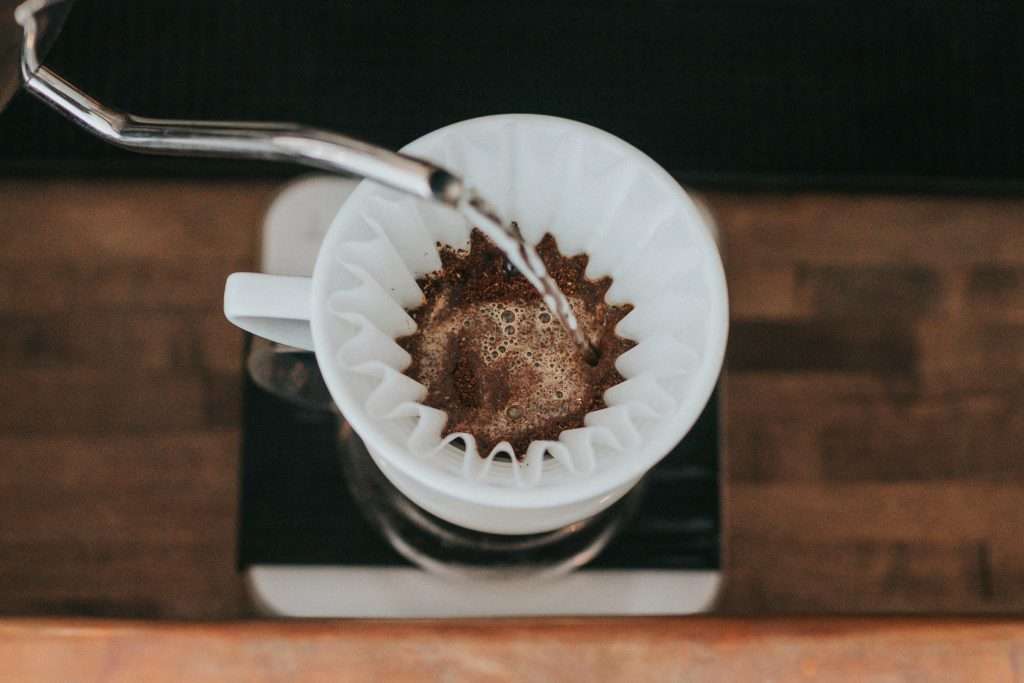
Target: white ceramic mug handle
point(275, 307)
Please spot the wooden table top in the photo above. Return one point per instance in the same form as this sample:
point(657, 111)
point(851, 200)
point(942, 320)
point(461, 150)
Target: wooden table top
point(872, 406)
point(685, 649)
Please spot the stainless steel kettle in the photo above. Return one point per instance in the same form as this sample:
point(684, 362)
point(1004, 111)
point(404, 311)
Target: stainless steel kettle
point(27, 29)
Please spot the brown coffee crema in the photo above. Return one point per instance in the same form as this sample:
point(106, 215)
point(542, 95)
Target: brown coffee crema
point(495, 360)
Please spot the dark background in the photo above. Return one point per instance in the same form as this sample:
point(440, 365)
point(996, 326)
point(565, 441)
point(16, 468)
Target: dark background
point(924, 94)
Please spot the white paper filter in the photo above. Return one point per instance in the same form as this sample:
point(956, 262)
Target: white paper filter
point(593, 199)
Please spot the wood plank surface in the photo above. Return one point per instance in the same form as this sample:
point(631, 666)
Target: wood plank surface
point(695, 649)
point(120, 388)
point(872, 403)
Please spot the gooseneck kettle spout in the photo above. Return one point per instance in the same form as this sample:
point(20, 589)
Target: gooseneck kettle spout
point(288, 142)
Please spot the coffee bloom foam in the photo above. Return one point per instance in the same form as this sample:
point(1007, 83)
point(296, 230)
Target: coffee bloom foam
point(519, 346)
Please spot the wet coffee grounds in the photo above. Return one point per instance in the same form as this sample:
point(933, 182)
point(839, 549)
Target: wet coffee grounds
point(495, 360)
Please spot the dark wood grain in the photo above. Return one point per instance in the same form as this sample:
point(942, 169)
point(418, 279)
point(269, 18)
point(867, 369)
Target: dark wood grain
point(119, 382)
point(872, 404)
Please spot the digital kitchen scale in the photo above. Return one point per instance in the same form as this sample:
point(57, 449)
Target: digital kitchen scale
point(308, 547)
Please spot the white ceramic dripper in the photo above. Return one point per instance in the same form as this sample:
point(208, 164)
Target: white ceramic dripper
point(597, 195)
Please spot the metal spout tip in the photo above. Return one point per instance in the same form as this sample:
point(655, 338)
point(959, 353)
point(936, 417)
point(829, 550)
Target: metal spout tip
point(445, 187)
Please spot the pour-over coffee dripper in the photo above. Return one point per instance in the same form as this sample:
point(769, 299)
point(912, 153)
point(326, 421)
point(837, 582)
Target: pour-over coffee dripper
point(553, 175)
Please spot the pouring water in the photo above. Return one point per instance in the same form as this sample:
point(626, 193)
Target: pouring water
point(522, 255)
